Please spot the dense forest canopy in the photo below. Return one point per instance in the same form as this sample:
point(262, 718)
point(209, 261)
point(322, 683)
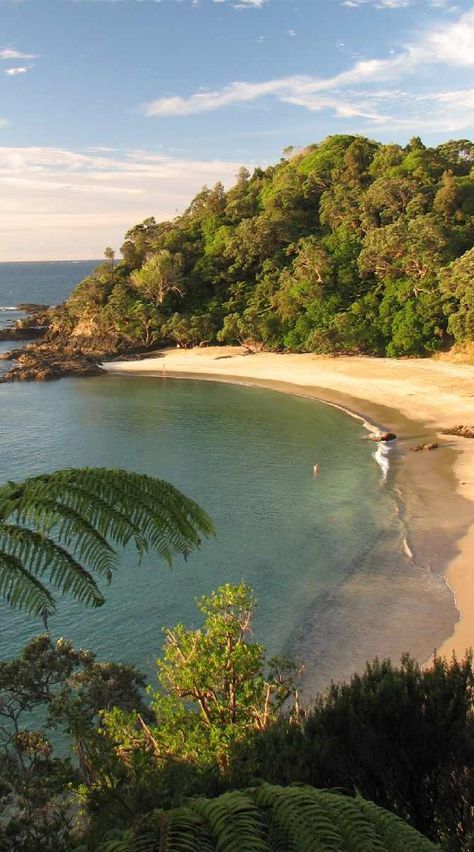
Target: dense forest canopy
point(346, 246)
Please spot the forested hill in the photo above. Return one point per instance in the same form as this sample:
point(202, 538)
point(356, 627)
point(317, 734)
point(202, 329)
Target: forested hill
point(346, 246)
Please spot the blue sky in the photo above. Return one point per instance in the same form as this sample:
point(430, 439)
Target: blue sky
point(113, 110)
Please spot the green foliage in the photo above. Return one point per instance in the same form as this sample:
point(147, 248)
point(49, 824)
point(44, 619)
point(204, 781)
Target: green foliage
point(159, 276)
point(402, 736)
point(65, 688)
point(273, 819)
point(346, 246)
point(457, 287)
point(215, 688)
point(393, 738)
point(58, 530)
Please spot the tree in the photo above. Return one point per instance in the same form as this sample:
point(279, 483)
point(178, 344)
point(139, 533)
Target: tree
point(271, 819)
point(67, 688)
point(159, 276)
point(457, 287)
point(109, 255)
point(215, 687)
point(58, 530)
point(404, 738)
point(340, 247)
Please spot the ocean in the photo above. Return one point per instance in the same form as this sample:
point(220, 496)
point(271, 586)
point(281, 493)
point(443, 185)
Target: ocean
point(326, 556)
point(38, 283)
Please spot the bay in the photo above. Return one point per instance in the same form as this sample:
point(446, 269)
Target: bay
point(325, 555)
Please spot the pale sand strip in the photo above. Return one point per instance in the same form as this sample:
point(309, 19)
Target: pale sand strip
point(434, 393)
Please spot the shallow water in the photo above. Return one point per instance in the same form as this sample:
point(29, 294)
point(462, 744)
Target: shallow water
point(324, 555)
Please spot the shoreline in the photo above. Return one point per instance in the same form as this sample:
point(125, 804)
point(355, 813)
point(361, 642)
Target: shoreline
point(414, 398)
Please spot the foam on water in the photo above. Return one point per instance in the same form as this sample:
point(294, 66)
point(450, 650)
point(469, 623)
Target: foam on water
point(381, 456)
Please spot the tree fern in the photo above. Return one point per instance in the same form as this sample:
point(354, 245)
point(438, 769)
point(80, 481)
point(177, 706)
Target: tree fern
point(274, 819)
point(302, 817)
point(358, 833)
point(183, 830)
point(234, 822)
point(396, 834)
point(59, 531)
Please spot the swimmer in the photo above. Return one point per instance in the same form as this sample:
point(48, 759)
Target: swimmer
point(315, 469)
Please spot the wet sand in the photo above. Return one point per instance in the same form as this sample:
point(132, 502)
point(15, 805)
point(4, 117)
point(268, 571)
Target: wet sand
point(414, 398)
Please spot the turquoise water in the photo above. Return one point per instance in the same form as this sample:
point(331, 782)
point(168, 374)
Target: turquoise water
point(325, 556)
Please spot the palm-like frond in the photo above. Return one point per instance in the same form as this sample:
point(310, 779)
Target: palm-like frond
point(234, 821)
point(396, 834)
point(60, 529)
point(275, 819)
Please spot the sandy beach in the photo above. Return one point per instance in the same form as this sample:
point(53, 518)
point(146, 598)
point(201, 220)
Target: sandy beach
point(414, 398)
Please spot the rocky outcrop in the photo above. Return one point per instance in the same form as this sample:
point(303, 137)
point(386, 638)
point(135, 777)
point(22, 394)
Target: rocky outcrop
point(63, 349)
point(463, 431)
point(32, 308)
point(37, 365)
point(430, 446)
point(31, 327)
point(22, 332)
point(59, 353)
point(383, 436)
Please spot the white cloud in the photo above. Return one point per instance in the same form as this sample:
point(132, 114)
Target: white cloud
point(12, 72)
point(391, 4)
point(453, 44)
point(8, 53)
point(61, 204)
point(237, 4)
point(248, 4)
point(448, 46)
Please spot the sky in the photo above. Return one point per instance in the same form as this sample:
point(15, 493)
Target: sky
point(115, 110)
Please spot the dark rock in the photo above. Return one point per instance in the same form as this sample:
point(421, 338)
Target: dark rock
point(27, 332)
point(12, 354)
point(60, 352)
point(31, 308)
point(463, 431)
point(431, 446)
point(33, 366)
point(383, 436)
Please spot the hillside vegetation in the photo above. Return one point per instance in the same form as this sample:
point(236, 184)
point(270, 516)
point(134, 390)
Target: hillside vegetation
point(345, 246)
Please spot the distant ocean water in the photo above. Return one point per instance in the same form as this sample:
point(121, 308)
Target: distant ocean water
point(43, 283)
point(335, 582)
point(40, 283)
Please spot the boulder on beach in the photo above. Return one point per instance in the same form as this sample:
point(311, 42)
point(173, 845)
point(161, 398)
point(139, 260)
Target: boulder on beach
point(383, 436)
point(462, 431)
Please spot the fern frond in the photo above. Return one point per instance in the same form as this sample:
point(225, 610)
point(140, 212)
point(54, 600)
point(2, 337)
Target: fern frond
point(358, 833)
point(63, 527)
point(397, 835)
point(272, 819)
point(234, 822)
point(42, 557)
point(301, 817)
point(20, 589)
point(183, 830)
